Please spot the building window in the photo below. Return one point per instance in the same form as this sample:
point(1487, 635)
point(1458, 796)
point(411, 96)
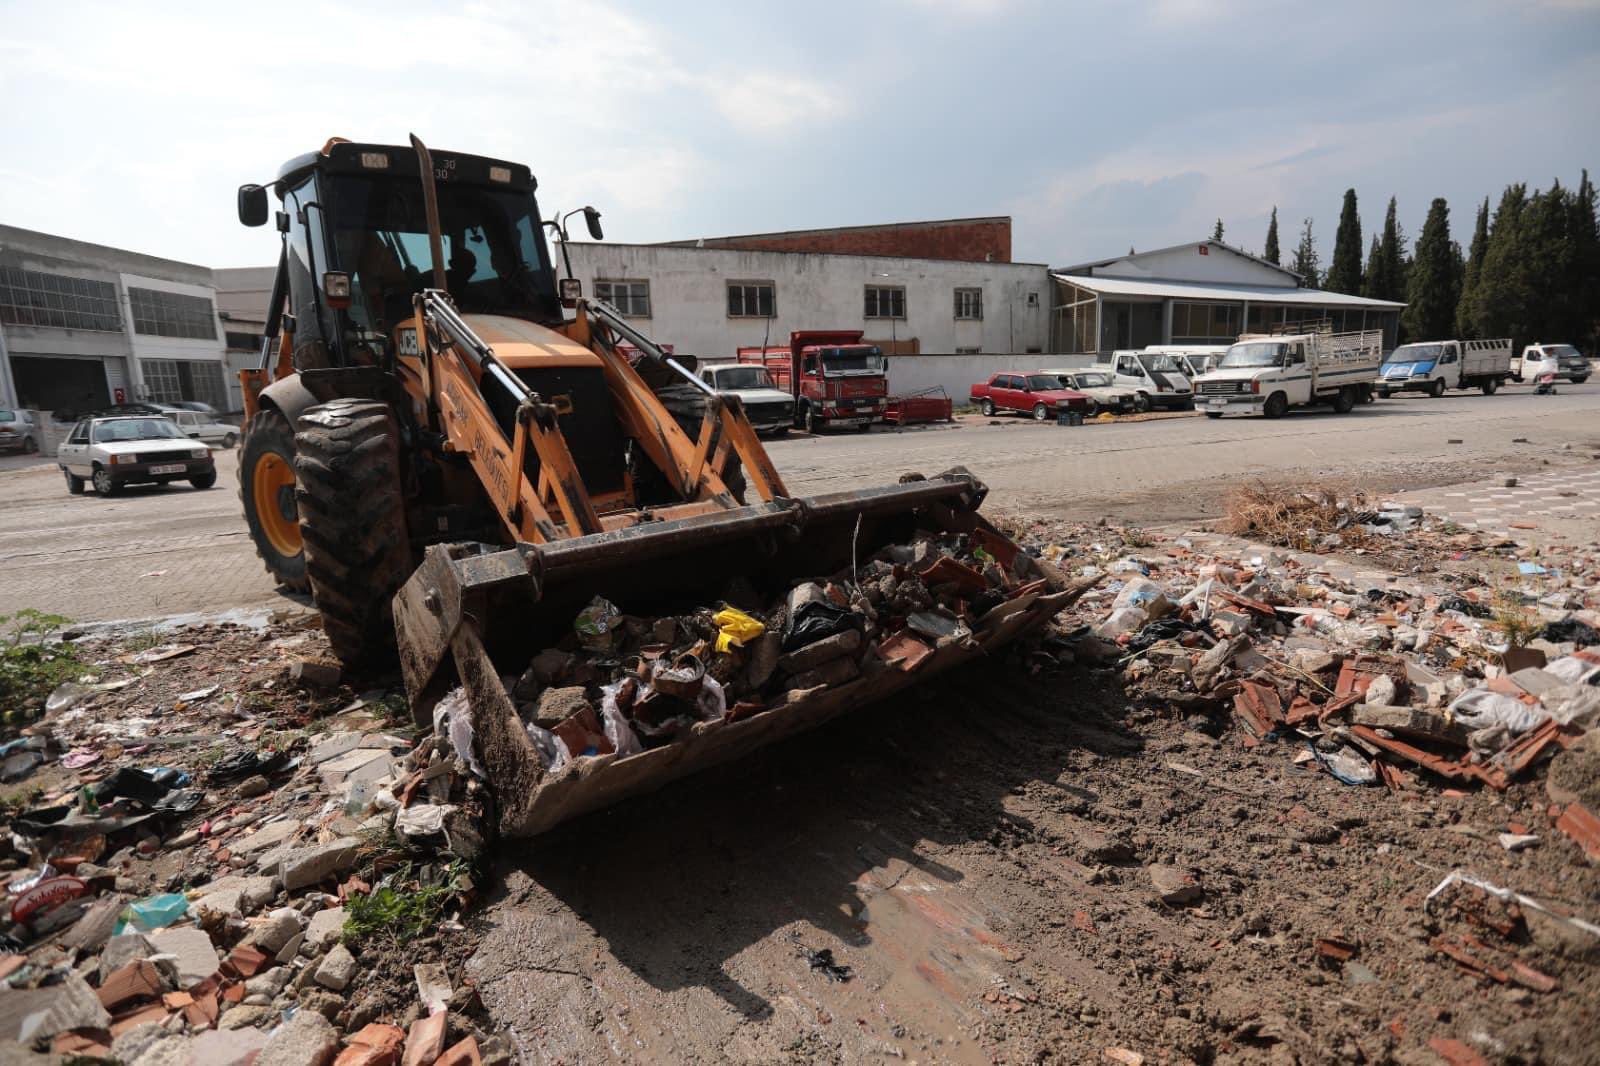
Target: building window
point(31, 298)
point(158, 313)
point(1206, 323)
point(1033, 299)
point(166, 380)
point(750, 299)
point(886, 301)
point(632, 298)
point(244, 342)
point(969, 304)
point(969, 351)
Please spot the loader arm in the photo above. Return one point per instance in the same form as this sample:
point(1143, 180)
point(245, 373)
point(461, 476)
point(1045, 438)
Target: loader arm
point(455, 361)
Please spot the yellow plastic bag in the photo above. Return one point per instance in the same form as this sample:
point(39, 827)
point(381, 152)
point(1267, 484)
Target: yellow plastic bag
point(735, 628)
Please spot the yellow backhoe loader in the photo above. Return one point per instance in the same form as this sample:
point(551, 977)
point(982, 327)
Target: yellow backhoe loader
point(453, 452)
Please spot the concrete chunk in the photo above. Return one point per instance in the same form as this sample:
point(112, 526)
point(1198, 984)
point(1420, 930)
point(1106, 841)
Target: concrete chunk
point(1409, 721)
point(338, 969)
point(307, 1039)
point(818, 652)
point(302, 867)
point(324, 929)
point(197, 959)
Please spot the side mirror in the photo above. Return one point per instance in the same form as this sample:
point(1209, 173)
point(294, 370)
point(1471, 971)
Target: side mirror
point(592, 217)
point(253, 205)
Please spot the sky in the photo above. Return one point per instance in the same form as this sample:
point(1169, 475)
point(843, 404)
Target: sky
point(1097, 126)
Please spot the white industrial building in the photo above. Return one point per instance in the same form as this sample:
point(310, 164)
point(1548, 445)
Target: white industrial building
point(709, 302)
point(84, 326)
point(1202, 293)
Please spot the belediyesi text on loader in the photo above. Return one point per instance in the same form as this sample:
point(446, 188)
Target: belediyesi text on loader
point(453, 453)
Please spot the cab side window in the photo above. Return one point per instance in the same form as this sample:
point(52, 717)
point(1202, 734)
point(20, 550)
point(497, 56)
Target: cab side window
point(80, 434)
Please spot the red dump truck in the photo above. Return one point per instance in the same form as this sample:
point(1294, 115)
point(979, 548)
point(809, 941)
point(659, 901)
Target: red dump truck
point(835, 378)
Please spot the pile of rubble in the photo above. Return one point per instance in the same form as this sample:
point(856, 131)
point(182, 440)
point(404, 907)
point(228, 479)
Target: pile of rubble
point(1472, 680)
point(626, 684)
point(217, 873)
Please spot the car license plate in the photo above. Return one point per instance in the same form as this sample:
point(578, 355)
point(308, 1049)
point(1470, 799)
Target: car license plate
point(1218, 401)
point(173, 468)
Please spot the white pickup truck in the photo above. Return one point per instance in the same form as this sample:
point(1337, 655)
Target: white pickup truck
point(1434, 366)
point(1561, 360)
point(1271, 374)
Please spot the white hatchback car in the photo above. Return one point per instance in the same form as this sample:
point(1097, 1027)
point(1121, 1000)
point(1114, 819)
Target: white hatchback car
point(132, 450)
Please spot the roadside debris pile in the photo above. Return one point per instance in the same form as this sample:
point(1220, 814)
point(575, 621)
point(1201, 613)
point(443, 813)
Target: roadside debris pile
point(1476, 680)
point(210, 871)
point(625, 684)
point(1319, 518)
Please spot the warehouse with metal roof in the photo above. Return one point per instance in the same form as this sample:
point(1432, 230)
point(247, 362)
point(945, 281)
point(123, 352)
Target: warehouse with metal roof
point(1203, 293)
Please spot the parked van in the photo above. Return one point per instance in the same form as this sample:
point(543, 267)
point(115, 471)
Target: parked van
point(1157, 376)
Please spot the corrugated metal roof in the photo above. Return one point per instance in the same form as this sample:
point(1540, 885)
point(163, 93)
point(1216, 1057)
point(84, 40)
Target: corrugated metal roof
point(1191, 290)
point(1224, 245)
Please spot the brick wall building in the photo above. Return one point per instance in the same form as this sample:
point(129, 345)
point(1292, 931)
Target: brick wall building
point(977, 240)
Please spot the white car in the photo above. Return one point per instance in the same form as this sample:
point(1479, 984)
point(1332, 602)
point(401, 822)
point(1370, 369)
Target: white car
point(132, 450)
point(205, 427)
point(1103, 392)
point(1562, 360)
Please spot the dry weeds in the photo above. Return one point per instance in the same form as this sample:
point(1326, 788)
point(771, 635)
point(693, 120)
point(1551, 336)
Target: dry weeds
point(1295, 518)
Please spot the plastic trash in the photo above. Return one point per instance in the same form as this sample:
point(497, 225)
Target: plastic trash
point(1480, 708)
point(712, 702)
point(1144, 593)
point(616, 727)
point(735, 628)
point(1122, 620)
point(453, 716)
point(552, 753)
point(596, 624)
point(1201, 595)
point(422, 820)
point(1346, 765)
point(66, 695)
point(155, 912)
point(1570, 629)
point(1573, 670)
point(814, 620)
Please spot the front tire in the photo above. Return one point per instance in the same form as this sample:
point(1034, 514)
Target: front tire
point(1041, 413)
point(103, 483)
point(1092, 411)
point(266, 493)
point(988, 409)
point(1276, 405)
point(1436, 388)
point(1213, 414)
point(353, 524)
point(1141, 404)
point(1383, 394)
point(1580, 381)
point(812, 423)
point(29, 445)
point(204, 481)
point(230, 440)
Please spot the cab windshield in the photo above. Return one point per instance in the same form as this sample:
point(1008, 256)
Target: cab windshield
point(1561, 351)
point(1253, 354)
point(120, 429)
point(1090, 381)
point(852, 361)
point(496, 261)
point(1043, 382)
point(743, 377)
point(1415, 353)
point(1160, 363)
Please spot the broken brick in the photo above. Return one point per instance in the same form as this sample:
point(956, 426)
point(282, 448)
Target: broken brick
point(1454, 1051)
point(1579, 823)
point(135, 981)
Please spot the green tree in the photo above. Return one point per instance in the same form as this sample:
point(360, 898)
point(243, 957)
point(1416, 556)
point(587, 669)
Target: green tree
point(1216, 234)
point(1271, 254)
point(1500, 300)
point(1585, 282)
point(1433, 287)
point(1386, 271)
point(1465, 327)
point(1344, 271)
point(1306, 263)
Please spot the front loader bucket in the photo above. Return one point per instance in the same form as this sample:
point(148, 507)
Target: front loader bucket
point(476, 616)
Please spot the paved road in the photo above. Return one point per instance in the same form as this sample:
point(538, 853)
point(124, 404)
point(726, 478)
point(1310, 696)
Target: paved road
point(162, 550)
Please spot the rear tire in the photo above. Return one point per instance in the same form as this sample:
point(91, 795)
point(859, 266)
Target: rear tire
point(1490, 386)
point(988, 409)
point(29, 445)
point(266, 493)
point(1345, 401)
point(353, 524)
point(74, 482)
point(1275, 406)
point(1436, 388)
point(230, 440)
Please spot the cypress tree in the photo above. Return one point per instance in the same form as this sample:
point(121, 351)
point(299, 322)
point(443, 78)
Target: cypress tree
point(1344, 272)
point(1386, 274)
point(1434, 281)
point(1502, 294)
point(1465, 326)
point(1271, 254)
point(1585, 280)
point(1306, 263)
point(1216, 234)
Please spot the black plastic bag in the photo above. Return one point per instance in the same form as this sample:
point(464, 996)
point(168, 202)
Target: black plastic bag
point(814, 620)
point(1465, 606)
point(128, 782)
point(1166, 629)
point(1570, 629)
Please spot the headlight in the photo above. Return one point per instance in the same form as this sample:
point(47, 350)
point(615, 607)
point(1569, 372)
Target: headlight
point(117, 460)
point(200, 453)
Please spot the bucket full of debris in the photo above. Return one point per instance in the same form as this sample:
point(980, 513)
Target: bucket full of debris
point(604, 668)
